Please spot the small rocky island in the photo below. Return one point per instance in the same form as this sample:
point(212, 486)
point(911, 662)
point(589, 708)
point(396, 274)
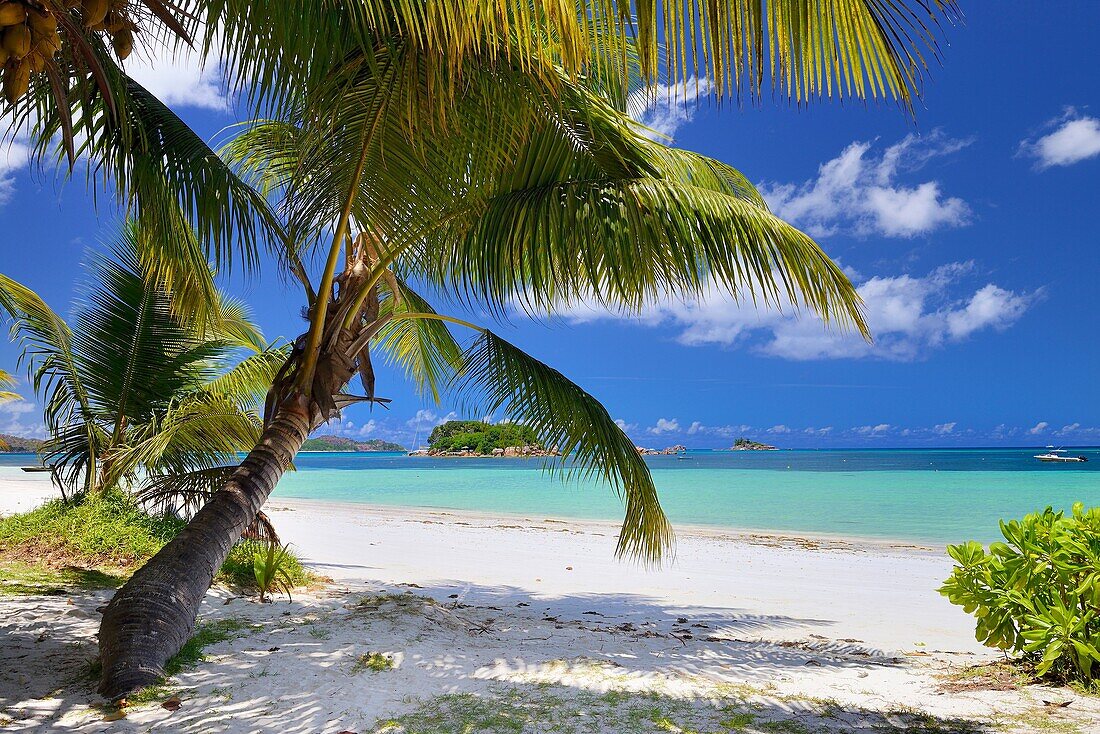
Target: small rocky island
point(670, 451)
point(478, 439)
point(343, 443)
point(744, 444)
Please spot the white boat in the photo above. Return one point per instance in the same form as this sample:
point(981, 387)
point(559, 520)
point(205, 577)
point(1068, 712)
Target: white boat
point(1057, 456)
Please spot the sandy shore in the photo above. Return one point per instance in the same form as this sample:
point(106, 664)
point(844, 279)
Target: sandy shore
point(532, 619)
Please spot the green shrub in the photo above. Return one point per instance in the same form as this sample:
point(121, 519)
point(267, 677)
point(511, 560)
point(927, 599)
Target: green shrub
point(1037, 594)
point(111, 531)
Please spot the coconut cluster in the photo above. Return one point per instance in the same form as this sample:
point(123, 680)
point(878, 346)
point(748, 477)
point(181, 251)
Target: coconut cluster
point(29, 38)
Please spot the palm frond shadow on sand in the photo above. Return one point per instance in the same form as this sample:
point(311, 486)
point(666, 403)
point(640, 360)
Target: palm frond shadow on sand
point(292, 666)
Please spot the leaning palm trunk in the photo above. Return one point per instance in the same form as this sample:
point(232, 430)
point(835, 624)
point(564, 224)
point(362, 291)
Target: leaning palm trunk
point(153, 614)
point(151, 617)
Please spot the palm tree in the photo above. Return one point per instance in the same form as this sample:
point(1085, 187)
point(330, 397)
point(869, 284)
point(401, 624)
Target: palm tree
point(136, 393)
point(469, 153)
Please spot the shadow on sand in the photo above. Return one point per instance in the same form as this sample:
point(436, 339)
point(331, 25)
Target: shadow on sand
point(465, 659)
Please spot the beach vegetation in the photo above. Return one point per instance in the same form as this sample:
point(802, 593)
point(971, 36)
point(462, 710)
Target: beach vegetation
point(97, 543)
point(549, 708)
point(1037, 593)
point(206, 634)
point(376, 662)
point(483, 155)
point(271, 567)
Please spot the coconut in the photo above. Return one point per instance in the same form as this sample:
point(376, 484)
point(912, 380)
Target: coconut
point(12, 14)
point(42, 23)
point(17, 40)
point(36, 59)
point(95, 11)
point(123, 42)
point(17, 78)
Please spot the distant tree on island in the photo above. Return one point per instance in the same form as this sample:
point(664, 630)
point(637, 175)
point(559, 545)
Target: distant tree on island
point(343, 443)
point(481, 438)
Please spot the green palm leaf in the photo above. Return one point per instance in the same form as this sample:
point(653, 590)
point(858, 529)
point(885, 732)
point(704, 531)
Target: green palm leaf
point(159, 170)
point(6, 380)
point(246, 383)
point(142, 384)
point(804, 48)
point(424, 348)
point(496, 376)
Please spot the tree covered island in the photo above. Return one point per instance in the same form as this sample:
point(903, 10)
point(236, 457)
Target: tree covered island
point(744, 444)
point(343, 443)
point(477, 438)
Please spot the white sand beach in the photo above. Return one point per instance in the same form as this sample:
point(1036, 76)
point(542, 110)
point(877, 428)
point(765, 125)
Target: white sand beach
point(490, 622)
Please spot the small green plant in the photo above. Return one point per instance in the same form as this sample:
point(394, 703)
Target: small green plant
point(271, 566)
point(375, 662)
point(1037, 594)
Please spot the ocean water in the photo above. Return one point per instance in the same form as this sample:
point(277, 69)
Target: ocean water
point(930, 496)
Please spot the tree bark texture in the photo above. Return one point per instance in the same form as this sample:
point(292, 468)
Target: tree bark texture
point(152, 616)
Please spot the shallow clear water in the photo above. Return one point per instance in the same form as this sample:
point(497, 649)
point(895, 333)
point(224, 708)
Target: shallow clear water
point(933, 496)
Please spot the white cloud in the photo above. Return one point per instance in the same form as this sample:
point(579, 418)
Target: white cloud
point(1075, 138)
point(15, 153)
point(21, 418)
point(664, 426)
point(664, 109)
point(624, 426)
point(779, 429)
point(875, 430)
point(427, 417)
point(1038, 428)
point(945, 428)
point(858, 192)
point(908, 316)
point(811, 431)
point(180, 79)
point(991, 306)
point(1071, 428)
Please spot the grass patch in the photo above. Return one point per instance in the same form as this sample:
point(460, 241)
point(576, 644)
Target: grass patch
point(96, 543)
point(107, 530)
point(19, 578)
point(565, 710)
point(996, 676)
point(375, 662)
point(206, 634)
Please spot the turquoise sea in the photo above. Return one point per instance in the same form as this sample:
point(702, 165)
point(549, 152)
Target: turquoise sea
point(927, 495)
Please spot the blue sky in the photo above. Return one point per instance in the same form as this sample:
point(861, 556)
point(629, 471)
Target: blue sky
point(970, 231)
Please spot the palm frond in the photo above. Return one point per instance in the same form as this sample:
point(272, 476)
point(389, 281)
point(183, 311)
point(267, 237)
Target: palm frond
point(197, 432)
point(158, 169)
point(133, 351)
point(6, 380)
point(547, 201)
point(424, 348)
point(805, 49)
point(246, 383)
point(497, 376)
point(46, 342)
